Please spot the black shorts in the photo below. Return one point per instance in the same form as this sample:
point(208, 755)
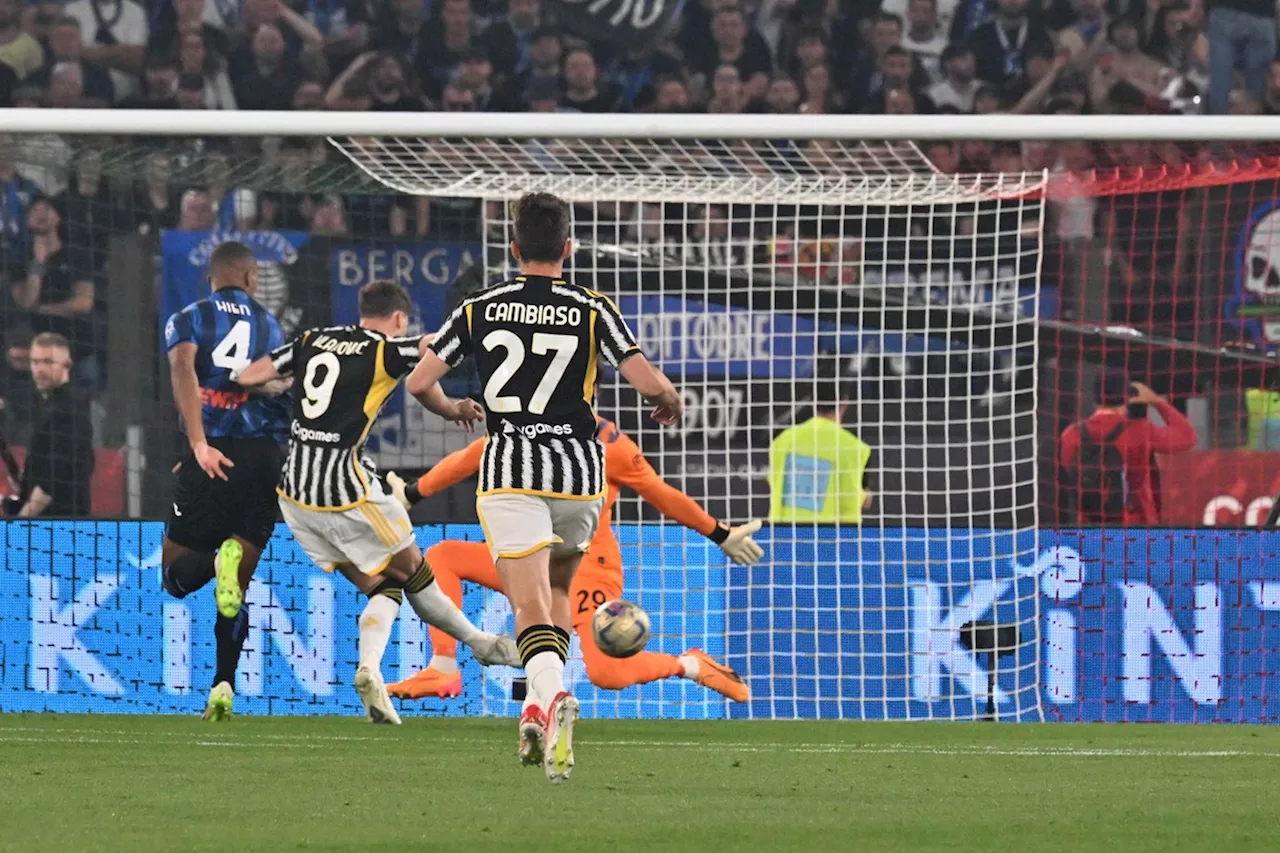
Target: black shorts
point(206, 511)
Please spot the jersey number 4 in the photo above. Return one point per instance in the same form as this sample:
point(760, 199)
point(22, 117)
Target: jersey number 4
point(232, 352)
point(564, 346)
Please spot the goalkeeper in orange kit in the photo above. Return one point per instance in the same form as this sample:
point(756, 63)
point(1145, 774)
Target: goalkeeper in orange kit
point(599, 577)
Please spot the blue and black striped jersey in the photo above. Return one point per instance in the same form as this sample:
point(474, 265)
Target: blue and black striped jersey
point(230, 330)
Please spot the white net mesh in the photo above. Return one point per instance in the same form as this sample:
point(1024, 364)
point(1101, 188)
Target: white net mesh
point(760, 276)
point(672, 170)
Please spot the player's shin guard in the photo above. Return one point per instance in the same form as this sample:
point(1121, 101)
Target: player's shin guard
point(376, 620)
point(186, 574)
point(230, 635)
point(435, 608)
point(540, 649)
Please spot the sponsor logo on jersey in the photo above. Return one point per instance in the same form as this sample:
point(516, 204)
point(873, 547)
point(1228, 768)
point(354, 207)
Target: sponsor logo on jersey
point(535, 430)
point(303, 434)
point(223, 399)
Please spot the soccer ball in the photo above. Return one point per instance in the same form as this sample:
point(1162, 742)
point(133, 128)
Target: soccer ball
point(620, 628)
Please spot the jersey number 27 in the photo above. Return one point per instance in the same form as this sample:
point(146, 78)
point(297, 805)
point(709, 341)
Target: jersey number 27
point(564, 346)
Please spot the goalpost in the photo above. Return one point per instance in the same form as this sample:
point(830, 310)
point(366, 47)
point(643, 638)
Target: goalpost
point(762, 261)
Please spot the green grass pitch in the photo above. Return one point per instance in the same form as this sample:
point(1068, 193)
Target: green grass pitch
point(143, 784)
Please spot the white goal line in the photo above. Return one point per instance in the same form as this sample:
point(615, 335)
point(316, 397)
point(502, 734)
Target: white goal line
point(640, 126)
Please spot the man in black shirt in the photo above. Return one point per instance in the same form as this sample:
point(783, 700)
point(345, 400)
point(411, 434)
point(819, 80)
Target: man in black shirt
point(583, 89)
point(1002, 45)
point(267, 83)
point(58, 289)
point(66, 44)
point(56, 478)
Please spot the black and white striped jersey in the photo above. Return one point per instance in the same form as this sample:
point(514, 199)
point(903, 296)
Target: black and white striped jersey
point(536, 342)
point(343, 376)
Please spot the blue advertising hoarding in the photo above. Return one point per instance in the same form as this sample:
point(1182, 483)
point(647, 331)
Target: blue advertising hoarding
point(1140, 625)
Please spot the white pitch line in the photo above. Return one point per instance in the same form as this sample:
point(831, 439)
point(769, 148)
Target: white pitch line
point(851, 749)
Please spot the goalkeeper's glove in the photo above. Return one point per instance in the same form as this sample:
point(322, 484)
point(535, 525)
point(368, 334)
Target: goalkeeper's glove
point(398, 489)
point(737, 544)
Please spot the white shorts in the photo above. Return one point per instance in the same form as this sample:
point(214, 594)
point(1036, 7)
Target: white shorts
point(367, 535)
point(518, 525)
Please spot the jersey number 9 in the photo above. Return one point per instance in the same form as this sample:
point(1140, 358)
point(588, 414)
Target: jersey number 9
point(319, 388)
point(564, 346)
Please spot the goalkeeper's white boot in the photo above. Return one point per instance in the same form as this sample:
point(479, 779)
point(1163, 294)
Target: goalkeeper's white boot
point(374, 696)
point(561, 719)
point(218, 708)
point(495, 650)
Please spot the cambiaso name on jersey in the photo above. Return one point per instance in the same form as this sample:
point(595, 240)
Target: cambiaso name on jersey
point(343, 375)
point(536, 342)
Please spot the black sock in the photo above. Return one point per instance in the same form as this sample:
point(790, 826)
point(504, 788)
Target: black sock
point(562, 642)
point(420, 579)
point(537, 639)
point(230, 635)
point(187, 574)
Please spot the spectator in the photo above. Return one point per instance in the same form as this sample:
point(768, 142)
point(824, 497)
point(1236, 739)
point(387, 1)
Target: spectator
point(925, 37)
point(475, 73)
point(737, 45)
point(944, 12)
point(66, 45)
point(818, 469)
point(1000, 46)
point(378, 82)
point(1125, 63)
point(864, 79)
point(959, 85)
point(898, 72)
point(1242, 35)
point(303, 43)
point(1088, 29)
point(269, 81)
point(89, 204)
point(633, 71)
point(545, 53)
point(159, 86)
point(444, 44)
point(58, 290)
point(188, 17)
point(59, 466)
point(727, 92)
point(672, 96)
point(345, 26)
point(66, 86)
point(583, 89)
point(942, 155)
point(398, 28)
point(18, 50)
point(1107, 460)
point(16, 194)
point(8, 86)
point(818, 96)
point(509, 42)
point(811, 50)
point(309, 97)
point(1177, 41)
point(197, 56)
point(116, 33)
point(197, 211)
point(155, 204)
point(783, 97)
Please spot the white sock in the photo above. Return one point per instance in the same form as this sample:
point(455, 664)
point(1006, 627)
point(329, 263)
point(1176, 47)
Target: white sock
point(375, 630)
point(435, 608)
point(448, 666)
point(691, 668)
point(545, 674)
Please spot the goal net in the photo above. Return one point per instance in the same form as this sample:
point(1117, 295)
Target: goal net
point(947, 326)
